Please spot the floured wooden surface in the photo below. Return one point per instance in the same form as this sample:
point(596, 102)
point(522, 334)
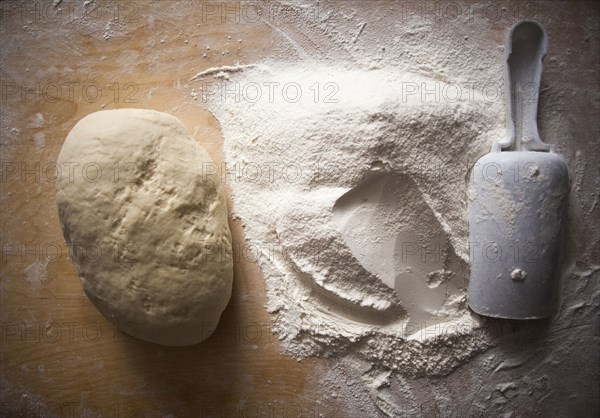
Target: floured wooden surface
point(60, 357)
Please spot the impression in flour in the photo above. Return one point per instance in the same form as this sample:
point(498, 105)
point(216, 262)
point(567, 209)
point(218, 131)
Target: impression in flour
point(346, 276)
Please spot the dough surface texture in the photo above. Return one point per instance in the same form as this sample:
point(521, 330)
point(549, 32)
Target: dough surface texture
point(146, 226)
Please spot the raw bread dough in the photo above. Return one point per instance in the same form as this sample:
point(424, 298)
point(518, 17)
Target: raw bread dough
point(146, 223)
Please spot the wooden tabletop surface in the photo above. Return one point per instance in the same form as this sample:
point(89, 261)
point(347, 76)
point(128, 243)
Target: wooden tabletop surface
point(59, 355)
point(61, 60)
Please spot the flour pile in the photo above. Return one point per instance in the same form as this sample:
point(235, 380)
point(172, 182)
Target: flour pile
point(352, 188)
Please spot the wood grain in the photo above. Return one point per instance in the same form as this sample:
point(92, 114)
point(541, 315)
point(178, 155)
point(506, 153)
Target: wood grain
point(59, 356)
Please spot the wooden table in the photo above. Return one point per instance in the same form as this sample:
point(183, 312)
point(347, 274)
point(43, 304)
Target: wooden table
point(59, 355)
point(61, 60)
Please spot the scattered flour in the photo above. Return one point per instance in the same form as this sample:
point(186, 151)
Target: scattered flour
point(220, 72)
point(37, 273)
point(376, 347)
point(354, 205)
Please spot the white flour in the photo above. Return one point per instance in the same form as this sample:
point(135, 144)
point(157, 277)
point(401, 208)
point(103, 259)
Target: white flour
point(354, 205)
point(336, 188)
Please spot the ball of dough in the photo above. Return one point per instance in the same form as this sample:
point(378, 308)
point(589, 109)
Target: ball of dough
point(146, 222)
